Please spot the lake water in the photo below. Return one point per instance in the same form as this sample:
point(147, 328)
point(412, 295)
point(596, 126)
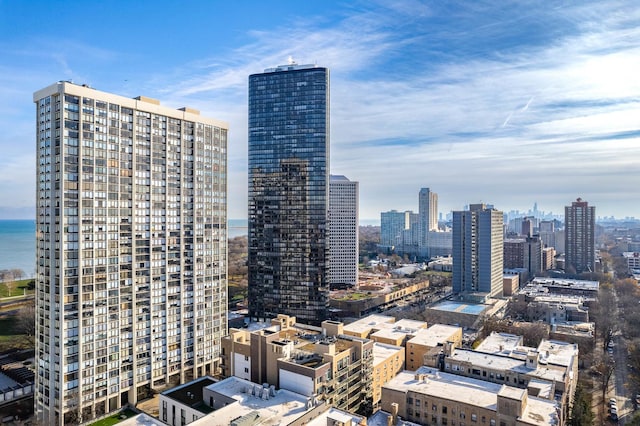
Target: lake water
point(18, 246)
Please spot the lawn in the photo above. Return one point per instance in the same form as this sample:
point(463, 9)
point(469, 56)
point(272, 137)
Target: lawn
point(17, 288)
point(7, 334)
point(115, 418)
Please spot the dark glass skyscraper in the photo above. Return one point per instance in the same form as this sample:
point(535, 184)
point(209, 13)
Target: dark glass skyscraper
point(288, 192)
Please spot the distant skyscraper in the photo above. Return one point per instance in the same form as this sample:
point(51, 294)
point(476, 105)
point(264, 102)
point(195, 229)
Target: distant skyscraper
point(343, 232)
point(428, 218)
point(580, 224)
point(394, 226)
point(428, 211)
point(527, 226)
point(478, 250)
point(289, 192)
point(131, 250)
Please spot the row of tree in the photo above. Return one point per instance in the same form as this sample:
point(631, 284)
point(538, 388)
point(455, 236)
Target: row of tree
point(11, 274)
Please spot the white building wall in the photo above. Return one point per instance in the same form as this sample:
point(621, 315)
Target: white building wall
point(242, 366)
point(296, 382)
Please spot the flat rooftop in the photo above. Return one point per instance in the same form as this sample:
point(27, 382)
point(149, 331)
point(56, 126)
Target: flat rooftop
point(141, 419)
point(568, 283)
point(283, 408)
point(380, 418)
point(461, 307)
point(382, 352)
point(507, 363)
point(367, 324)
point(499, 342)
point(335, 416)
point(471, 392)
point(190, 394)
point(435, 335)
point(558, 353)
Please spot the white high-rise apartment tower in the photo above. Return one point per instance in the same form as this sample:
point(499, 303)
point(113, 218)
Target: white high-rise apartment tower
point(343, 232)
point(428, 212)
point(131, 249)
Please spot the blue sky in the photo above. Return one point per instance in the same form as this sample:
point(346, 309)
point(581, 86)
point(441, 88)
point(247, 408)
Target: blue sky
point(508, 103)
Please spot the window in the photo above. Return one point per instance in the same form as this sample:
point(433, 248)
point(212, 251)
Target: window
point(492, 422)
point(246, 369)
point(409, 401)
point(417, 402)
point(444, 409)
point(474, 417)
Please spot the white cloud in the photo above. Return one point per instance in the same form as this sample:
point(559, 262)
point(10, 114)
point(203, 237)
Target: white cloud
point(462, 98)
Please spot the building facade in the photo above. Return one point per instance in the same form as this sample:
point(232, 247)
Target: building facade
point(288, 192)
point(394, 226)
point(130, 249)
point(580, 247)
point(524, 253)
point(428, 212)
point(317, 362)
point(343, 232)
point(478, 250)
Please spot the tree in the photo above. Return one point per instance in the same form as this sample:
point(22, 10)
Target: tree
point(9, 276)
point(581, 413)
point(605, 370)
point(600, 313)
point(25, 325)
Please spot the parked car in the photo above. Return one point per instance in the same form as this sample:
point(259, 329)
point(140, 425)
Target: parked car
point(614, 417)
point(612, 401)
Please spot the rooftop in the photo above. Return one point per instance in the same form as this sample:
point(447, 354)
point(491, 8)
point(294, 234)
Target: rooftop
point(141, 419)
point(499, 342)
point(435, 335)
point(469, 391)
point(568, 283)
point(338, 417)
point(382, 352)
point(558, 353)
point(507, 363)
point(394, 331)
point(462, 307)
point(283, 408)
point(367, 324)
point(190, 394)
point(380, 418)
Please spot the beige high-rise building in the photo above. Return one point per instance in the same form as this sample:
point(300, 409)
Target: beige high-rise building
point(131, 249)
point(343, 232)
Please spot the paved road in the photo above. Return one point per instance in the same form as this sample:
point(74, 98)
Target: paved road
point(619, 388)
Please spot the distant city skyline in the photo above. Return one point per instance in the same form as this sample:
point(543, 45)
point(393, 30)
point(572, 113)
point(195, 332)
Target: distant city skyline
point(510, 103)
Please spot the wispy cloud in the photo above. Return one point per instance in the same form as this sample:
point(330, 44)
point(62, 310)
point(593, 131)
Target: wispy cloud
point(471, 98)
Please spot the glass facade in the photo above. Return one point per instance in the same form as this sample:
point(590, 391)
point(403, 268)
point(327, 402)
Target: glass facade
point(130, 249)
point(288, 192)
